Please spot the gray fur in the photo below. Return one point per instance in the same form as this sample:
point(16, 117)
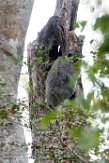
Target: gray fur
point(57, 82)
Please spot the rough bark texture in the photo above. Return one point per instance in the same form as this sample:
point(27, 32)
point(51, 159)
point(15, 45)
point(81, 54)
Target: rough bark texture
point(49, 76)
point(67, 11)
point(14, 20)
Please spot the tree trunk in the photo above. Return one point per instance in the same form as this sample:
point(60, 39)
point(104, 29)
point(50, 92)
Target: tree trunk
point(67, 11)
point(48, 79)
point(14, 20)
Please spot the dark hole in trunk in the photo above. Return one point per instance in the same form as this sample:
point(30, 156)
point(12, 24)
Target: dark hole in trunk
point(55, 52)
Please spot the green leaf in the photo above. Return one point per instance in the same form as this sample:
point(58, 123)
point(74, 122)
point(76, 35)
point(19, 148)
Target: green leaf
point(89, 138)
point(104, 48)
point(38, 60)
point(19, 57)
point(3, 114)
point(75, 131)
point(75, 24)
point(102, 23)
point(7, 122)
point(2, 82)
point(83, 24)
point(40, 52)
point(47, 119)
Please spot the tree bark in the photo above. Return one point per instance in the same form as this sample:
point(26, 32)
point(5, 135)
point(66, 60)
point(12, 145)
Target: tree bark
point(14, 20)
point(56, 39)
point(67, 11)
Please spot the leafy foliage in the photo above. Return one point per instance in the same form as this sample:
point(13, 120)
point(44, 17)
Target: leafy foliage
point(8, 112)
point(73, 129)
point(102, 24)
point(91, 136)
point(98, 105)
